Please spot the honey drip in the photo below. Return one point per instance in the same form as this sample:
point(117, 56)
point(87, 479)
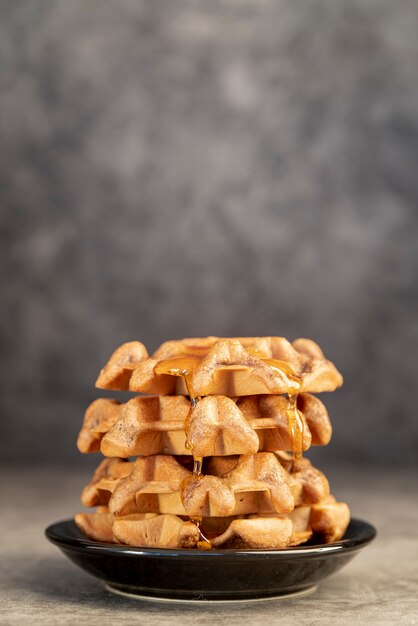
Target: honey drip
point(295, 425)
point(189, 443)
point(203, 543)
point(294, 421)
point(293, 381)
point(197, 465)
point(184, 365)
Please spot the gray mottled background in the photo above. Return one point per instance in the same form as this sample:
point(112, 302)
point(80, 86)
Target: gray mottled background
point(176, 168)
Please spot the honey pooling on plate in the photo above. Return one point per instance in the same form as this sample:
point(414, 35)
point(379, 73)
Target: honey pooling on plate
point(215, 439)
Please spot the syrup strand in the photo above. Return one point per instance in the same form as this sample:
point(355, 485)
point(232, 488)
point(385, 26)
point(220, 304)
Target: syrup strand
point(197, 465)
point(187, 374)
point(294, 421)
point(295, 425)
point(176, 367)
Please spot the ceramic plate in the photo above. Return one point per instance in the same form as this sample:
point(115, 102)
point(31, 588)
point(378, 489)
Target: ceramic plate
point(209, 575)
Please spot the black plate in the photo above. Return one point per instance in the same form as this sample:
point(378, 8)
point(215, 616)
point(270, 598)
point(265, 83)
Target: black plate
point(209, 575)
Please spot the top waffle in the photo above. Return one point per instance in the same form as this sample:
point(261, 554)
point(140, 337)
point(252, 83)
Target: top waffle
point(215, 366)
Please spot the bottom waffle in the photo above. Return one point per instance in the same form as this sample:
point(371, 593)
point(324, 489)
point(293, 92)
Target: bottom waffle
point(325, 521)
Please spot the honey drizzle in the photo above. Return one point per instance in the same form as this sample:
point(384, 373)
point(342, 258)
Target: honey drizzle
point(183, 366)
point(203, 543)
point(175, 367)
point(294, 421)
point(295, 425)
point(197, 465)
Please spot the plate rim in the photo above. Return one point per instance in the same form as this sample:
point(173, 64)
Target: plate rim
point(85, 545)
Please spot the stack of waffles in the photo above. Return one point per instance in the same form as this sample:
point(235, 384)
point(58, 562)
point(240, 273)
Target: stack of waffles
point(210, 455)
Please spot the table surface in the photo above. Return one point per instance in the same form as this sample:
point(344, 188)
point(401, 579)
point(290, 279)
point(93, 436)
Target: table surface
point(38, 585)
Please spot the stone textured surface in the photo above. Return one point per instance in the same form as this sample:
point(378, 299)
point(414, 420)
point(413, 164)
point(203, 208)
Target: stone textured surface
point(38, 585)
point(174, 168)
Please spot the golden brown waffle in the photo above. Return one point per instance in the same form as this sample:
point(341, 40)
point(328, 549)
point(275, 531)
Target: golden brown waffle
point(168, 531)
point(329, 519)
point(160, 484)
point(97, 526)
point(118, 370)
point(105, 479)
point(217, 425)
point(99, 418)
point(326, 521)
point(215, 366)
point(245, 484)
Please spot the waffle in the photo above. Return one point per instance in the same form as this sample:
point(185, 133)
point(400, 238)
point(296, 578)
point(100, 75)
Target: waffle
point(245, 484)
point(104, 480)
point(217, 443)
point(99, 525)
point(217, 425)
point(99, 418)
point(215, 366)
point(325, 522)
point(118, 370)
